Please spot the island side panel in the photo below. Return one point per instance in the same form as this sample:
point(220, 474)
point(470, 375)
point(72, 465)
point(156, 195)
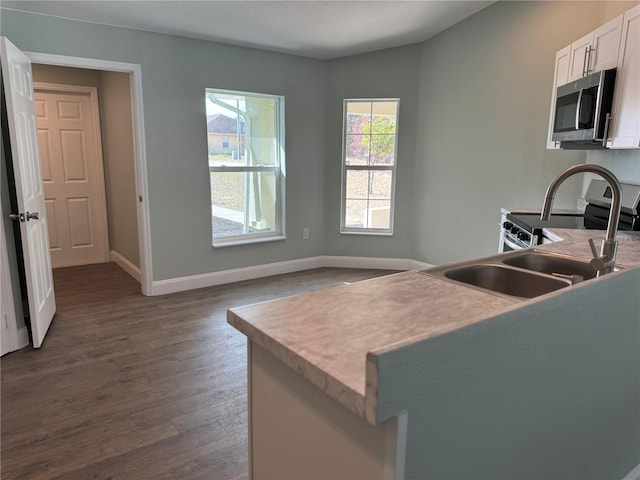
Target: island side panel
point(297, 431)
point(550, 390)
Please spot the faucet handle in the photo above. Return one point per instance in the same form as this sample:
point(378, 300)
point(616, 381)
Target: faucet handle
point(594, 252)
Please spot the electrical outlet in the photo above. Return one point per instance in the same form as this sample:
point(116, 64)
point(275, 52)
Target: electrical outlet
point(305, 234)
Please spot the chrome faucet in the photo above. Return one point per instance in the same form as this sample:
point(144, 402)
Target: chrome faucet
point(605, 261)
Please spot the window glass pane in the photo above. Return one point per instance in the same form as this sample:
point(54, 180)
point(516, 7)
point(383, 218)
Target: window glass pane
point(250, 125)
point(227, 200)
point(379, 214)
point(243, 203)
point(357, 149)
point(357, 184)
point(388, 112)
point(380, 185)
point(358, 116)
point(383, 149)
point(355, 214)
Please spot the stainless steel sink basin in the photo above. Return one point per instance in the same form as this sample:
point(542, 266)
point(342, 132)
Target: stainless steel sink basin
point(518, 275)
point(551, 263)
point(506, 280)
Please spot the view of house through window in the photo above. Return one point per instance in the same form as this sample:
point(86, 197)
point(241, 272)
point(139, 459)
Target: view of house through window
point(368, 168)
point(245, 136)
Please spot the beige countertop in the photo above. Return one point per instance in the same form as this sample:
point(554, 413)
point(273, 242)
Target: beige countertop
point(331, 337)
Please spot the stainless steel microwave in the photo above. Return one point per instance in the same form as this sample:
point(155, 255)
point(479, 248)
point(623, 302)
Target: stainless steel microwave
point(583, 109)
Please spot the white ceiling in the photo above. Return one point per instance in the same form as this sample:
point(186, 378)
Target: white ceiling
point(316, 29)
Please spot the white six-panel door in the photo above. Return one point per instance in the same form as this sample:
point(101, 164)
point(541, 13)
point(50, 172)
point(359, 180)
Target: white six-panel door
point(32, 217)
point(73, 175)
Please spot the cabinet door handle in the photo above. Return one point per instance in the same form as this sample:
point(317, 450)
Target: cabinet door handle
point(589, 52)
point(584, 61)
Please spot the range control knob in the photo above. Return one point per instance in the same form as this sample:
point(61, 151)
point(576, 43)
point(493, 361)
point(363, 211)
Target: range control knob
point(523, 236)
point(515, 230)
point(507, 225)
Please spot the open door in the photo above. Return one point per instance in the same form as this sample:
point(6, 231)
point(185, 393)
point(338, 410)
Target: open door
point(18, 87)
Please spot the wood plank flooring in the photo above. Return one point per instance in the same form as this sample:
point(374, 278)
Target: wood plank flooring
point(134, 387)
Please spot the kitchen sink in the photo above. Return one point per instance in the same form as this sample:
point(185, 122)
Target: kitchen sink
point(519, 275)
point(506, 280)
point(551, 263)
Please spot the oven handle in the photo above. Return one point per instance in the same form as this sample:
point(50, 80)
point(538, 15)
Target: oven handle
point(510, 244)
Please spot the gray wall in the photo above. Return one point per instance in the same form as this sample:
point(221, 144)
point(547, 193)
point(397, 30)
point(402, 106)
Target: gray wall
point(473, 118)
point(484, 108)
point(175, 73)
point(119, 165)
point(389, 73)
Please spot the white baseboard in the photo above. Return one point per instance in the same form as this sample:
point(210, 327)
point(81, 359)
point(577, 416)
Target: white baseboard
point(172, 285)
point(125, 265)
point(23, 338)
point(633, 474)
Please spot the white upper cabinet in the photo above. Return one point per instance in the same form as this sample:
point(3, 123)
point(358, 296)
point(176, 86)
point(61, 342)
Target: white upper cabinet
point(605, 46)
point(579, 58)
point(596, 51)
point(625, 118)
point(560, 77)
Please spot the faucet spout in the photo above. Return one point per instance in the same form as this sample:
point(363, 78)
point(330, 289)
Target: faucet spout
point(606, 261)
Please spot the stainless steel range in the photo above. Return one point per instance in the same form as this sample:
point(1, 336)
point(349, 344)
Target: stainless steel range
point(524, 229)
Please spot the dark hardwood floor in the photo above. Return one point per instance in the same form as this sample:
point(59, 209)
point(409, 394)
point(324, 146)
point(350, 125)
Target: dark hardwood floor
point(134, 387)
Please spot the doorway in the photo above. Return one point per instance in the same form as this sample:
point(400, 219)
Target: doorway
point(132, 220)
point(138, 169)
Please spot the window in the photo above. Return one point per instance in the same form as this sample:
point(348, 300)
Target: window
point(246, 163)
point(370, 130)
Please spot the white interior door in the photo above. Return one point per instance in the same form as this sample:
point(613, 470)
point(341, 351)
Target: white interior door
point(72, 170)
point(18, 85)
point(8, 327)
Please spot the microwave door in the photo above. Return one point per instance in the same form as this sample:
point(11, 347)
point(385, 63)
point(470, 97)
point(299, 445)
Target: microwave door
point(567, 114)
point(587, 110)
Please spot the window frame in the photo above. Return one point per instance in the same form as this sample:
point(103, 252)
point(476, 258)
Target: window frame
point(368, 168)
point(278, 232)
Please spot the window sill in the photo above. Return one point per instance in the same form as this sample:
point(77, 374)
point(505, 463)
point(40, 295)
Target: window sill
point(247, 241)
point(378, 233)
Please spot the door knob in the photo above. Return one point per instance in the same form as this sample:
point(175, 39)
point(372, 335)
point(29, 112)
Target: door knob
point(16, 217)
point(33, 216)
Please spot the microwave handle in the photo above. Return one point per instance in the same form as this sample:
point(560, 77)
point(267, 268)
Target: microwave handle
point(578, 107)
point(605, 136)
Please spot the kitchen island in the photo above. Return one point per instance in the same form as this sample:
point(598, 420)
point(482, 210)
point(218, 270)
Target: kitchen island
point(411, 376)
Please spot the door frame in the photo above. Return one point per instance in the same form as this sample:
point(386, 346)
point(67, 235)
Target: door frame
point(140, 157)
point(95, 111)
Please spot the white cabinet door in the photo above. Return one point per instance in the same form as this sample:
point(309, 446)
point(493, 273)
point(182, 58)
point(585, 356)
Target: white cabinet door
point(560, 77)
point(606, 43)
point(579, 56)
point(625, 122)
